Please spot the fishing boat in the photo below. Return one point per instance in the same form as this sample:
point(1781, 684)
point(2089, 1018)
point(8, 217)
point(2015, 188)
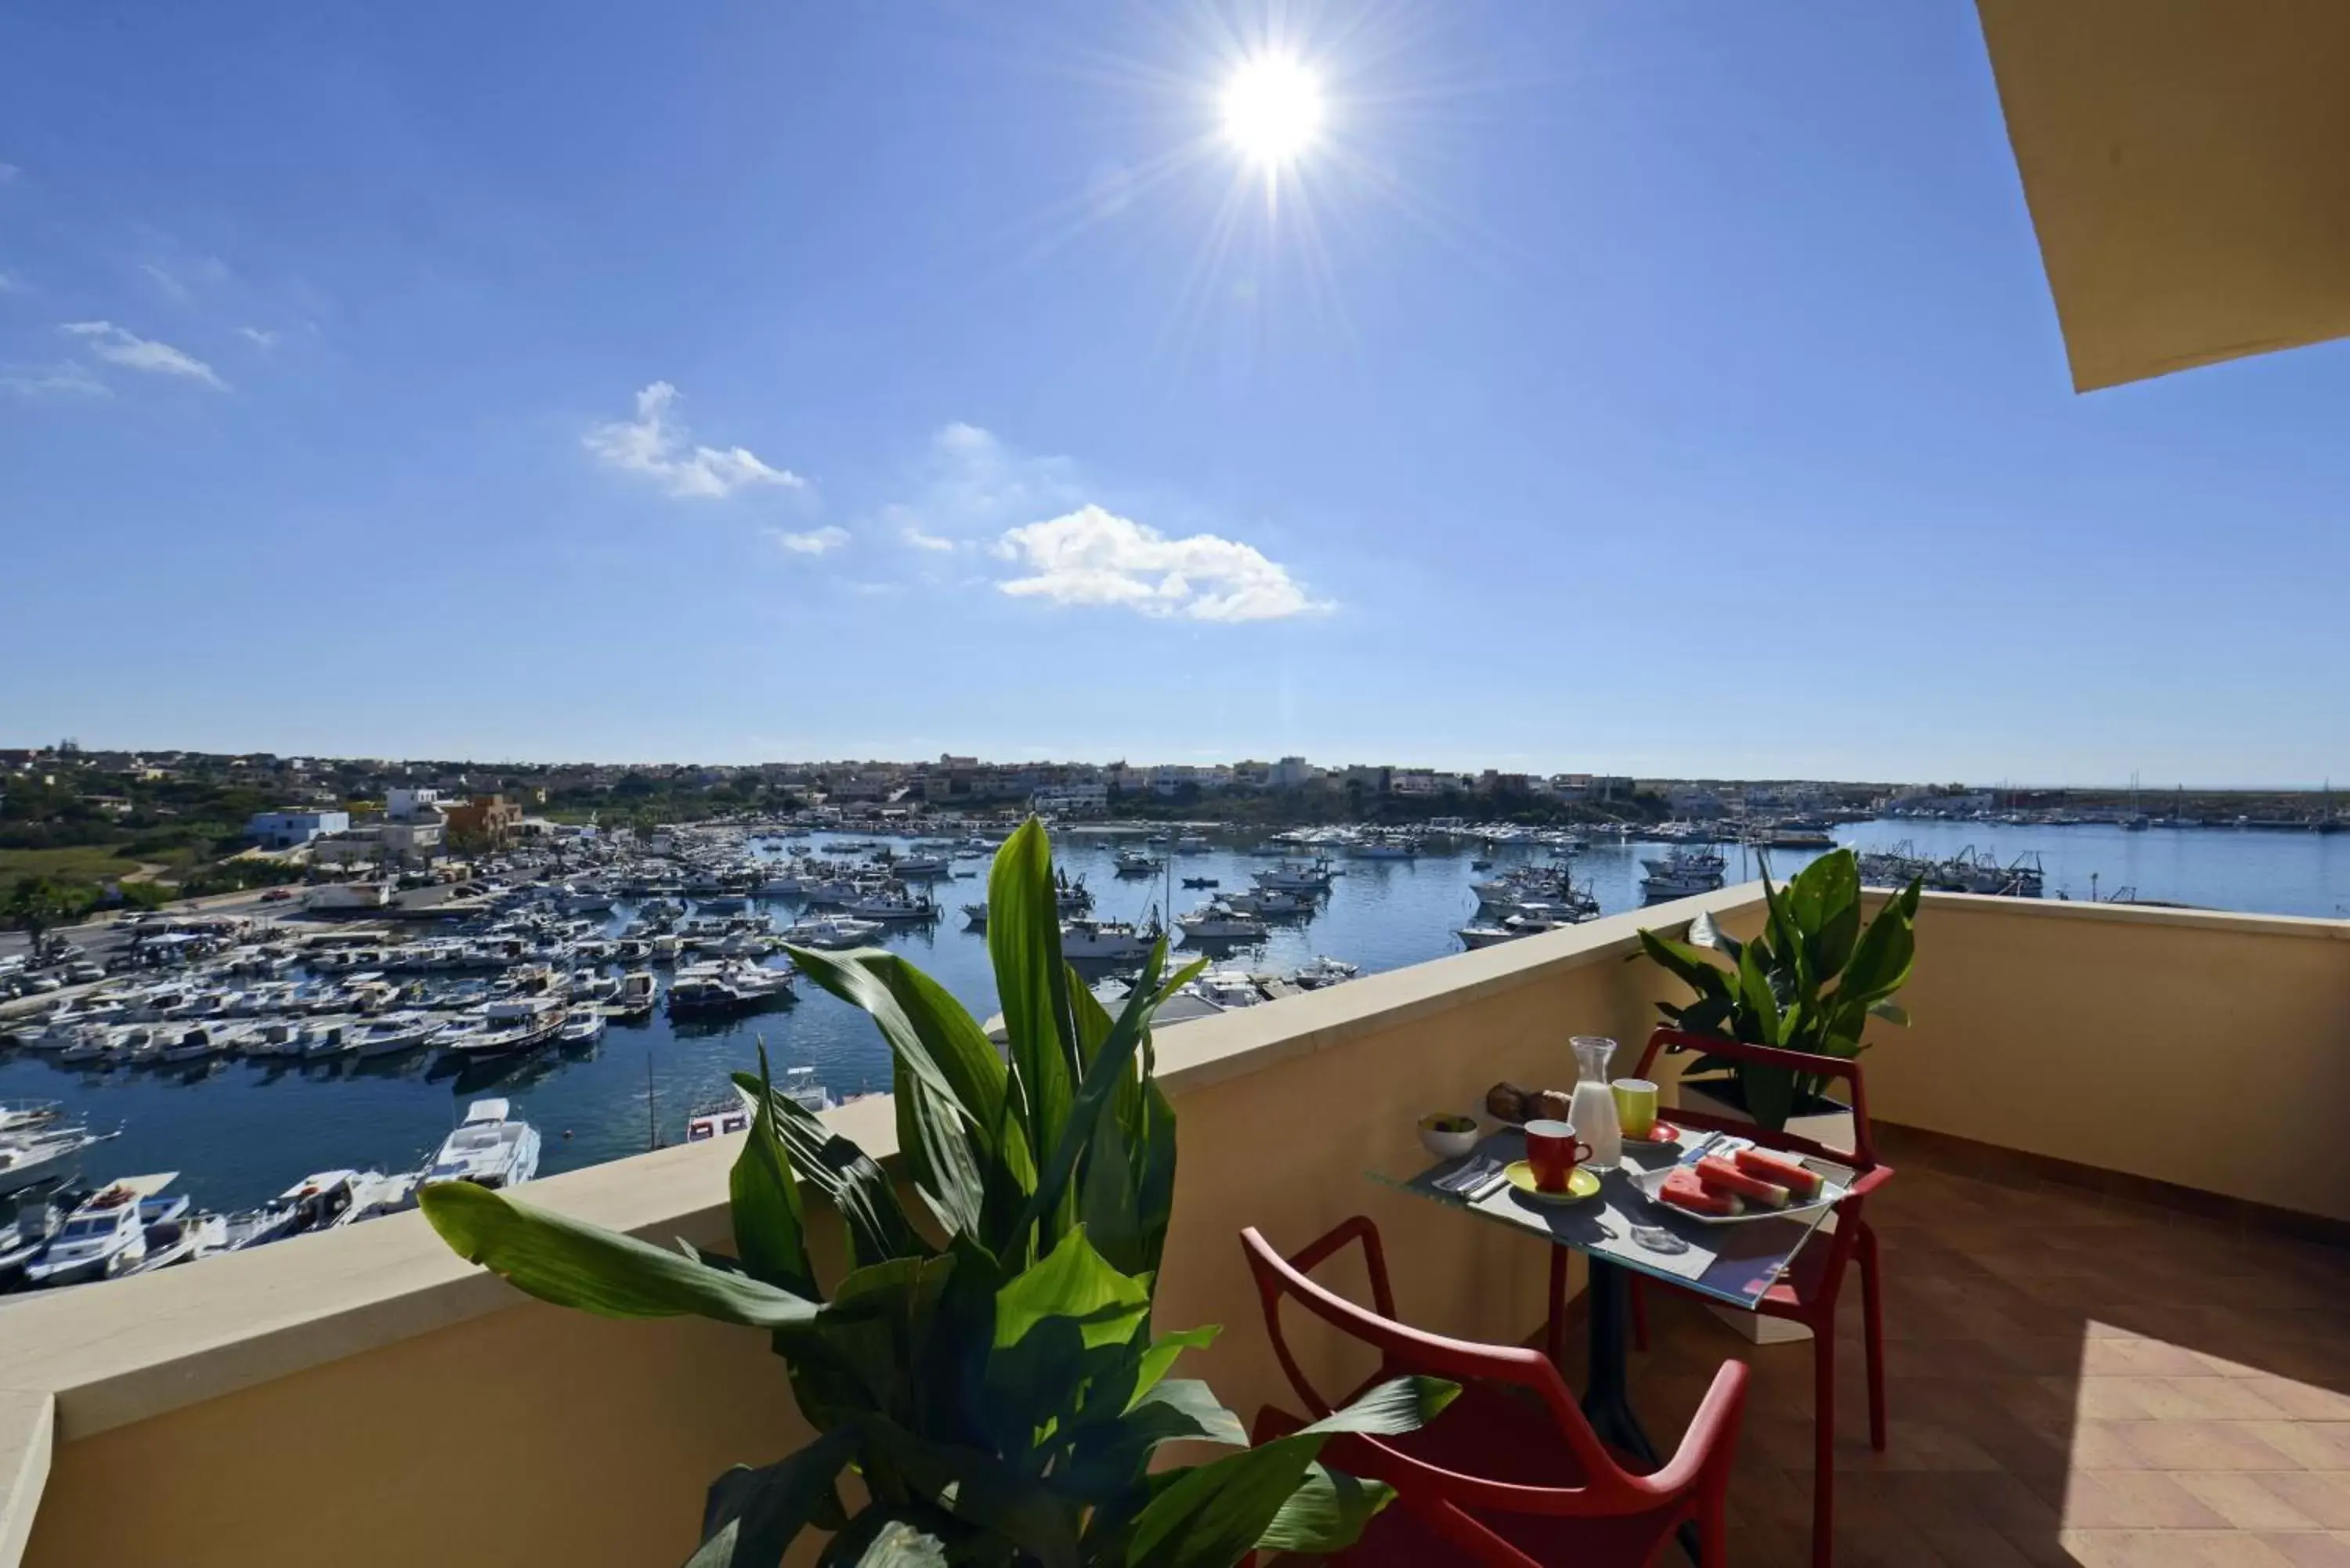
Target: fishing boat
point(510, 1024)
point(721, 988)
point(1684, 870)
point(1107, 941)
point(489, 1149)
point(1219, 921)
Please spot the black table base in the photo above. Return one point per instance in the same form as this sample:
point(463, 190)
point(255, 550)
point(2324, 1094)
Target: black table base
point(1606, 1398)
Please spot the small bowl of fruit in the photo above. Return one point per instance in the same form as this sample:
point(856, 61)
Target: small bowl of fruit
point(1447, 1135)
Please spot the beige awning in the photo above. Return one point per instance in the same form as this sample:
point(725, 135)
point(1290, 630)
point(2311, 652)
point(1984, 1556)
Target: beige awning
point(2187, 167)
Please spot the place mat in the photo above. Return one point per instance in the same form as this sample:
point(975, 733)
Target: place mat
point(1603, 1226)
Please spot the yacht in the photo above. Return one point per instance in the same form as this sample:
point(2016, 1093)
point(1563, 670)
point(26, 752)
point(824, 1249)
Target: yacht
point(906, 866)
point(104, 1237)
point(489, 1149)
point(1138, 863)
point(21, 1116)
point(1110, 942)
point(1387, 848)
point(1221, 922)
point(832, 931)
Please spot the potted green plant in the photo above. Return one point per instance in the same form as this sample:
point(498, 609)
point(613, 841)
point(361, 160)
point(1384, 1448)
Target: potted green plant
point(1809, 982)
point(991, 1378)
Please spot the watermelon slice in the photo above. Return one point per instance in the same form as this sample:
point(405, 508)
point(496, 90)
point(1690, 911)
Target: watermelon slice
point(1723, 1177)
point(1683, 1189)
point(1768, 1166)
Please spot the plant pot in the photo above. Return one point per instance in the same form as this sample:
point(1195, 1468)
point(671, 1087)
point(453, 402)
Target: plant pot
point(1824, 1121)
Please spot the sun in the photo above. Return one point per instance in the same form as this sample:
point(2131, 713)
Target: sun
point(1273, 110)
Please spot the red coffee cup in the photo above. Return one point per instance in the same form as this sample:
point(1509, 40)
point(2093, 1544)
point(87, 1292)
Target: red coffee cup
point(1554, 1151)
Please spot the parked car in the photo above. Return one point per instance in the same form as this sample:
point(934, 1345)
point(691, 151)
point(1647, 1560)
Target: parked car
point(276, 896)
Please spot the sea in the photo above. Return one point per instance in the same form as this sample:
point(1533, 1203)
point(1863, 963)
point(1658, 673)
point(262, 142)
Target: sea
point(239, 1132)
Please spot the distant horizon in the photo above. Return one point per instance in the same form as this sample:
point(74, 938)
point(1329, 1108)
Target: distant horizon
point(460, 759)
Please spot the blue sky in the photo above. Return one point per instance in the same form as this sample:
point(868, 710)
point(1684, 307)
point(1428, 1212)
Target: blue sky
point(1664, 388)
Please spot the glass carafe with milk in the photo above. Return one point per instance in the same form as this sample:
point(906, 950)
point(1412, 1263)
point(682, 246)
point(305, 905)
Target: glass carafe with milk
point(1593, 1112)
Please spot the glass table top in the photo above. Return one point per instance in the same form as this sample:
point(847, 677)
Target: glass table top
point(1732, 1263)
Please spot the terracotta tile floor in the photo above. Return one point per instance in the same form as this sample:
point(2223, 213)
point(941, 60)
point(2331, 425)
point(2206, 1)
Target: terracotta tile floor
point(2073, 1380)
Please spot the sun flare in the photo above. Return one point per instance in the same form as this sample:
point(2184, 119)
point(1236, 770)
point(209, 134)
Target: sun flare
point(1273, 110)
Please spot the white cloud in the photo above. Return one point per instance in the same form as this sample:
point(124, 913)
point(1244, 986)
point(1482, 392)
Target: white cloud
point(652, 444)
point(912, 533)
point(816, 541)
point(258, 337)
point(117, 347)
point(43, 383)
point(1092, 556)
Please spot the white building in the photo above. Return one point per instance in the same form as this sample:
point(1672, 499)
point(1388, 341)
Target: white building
point(1074, 799)
point(292, 829)
point(1294, 773)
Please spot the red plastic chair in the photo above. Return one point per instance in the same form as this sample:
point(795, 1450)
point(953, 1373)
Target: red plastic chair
point(1808, 1296)
point(1500, 1478)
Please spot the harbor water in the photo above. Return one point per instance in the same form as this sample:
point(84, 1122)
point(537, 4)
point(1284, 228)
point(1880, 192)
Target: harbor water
point(241, 1131)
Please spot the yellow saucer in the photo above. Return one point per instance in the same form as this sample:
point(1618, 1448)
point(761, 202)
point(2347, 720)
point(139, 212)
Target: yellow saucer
point(1583, 1184)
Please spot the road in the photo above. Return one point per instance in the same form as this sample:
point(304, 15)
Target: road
point(111, 933)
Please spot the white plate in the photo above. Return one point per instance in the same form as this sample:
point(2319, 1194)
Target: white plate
point(1651, 1182)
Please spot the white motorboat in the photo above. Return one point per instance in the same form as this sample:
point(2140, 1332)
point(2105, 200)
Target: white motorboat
point(717, 1120)
point(1108, 941)
point(1319, 971)
point(832, 932)
point(25, 1116)
point(394, 1032)
point(635, 999)
point(329, 1037)
point(174, 1235)
point(584, 1028)
point(913, 866)
point(104, 1237)
point(1386, 847)
point(974, 917)
point(1136, 863)
point(374, 1195)
point(42, 1153)
point(1219, 921)
point(489, 1149)
point(1227, 989)
point(196, 1042)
